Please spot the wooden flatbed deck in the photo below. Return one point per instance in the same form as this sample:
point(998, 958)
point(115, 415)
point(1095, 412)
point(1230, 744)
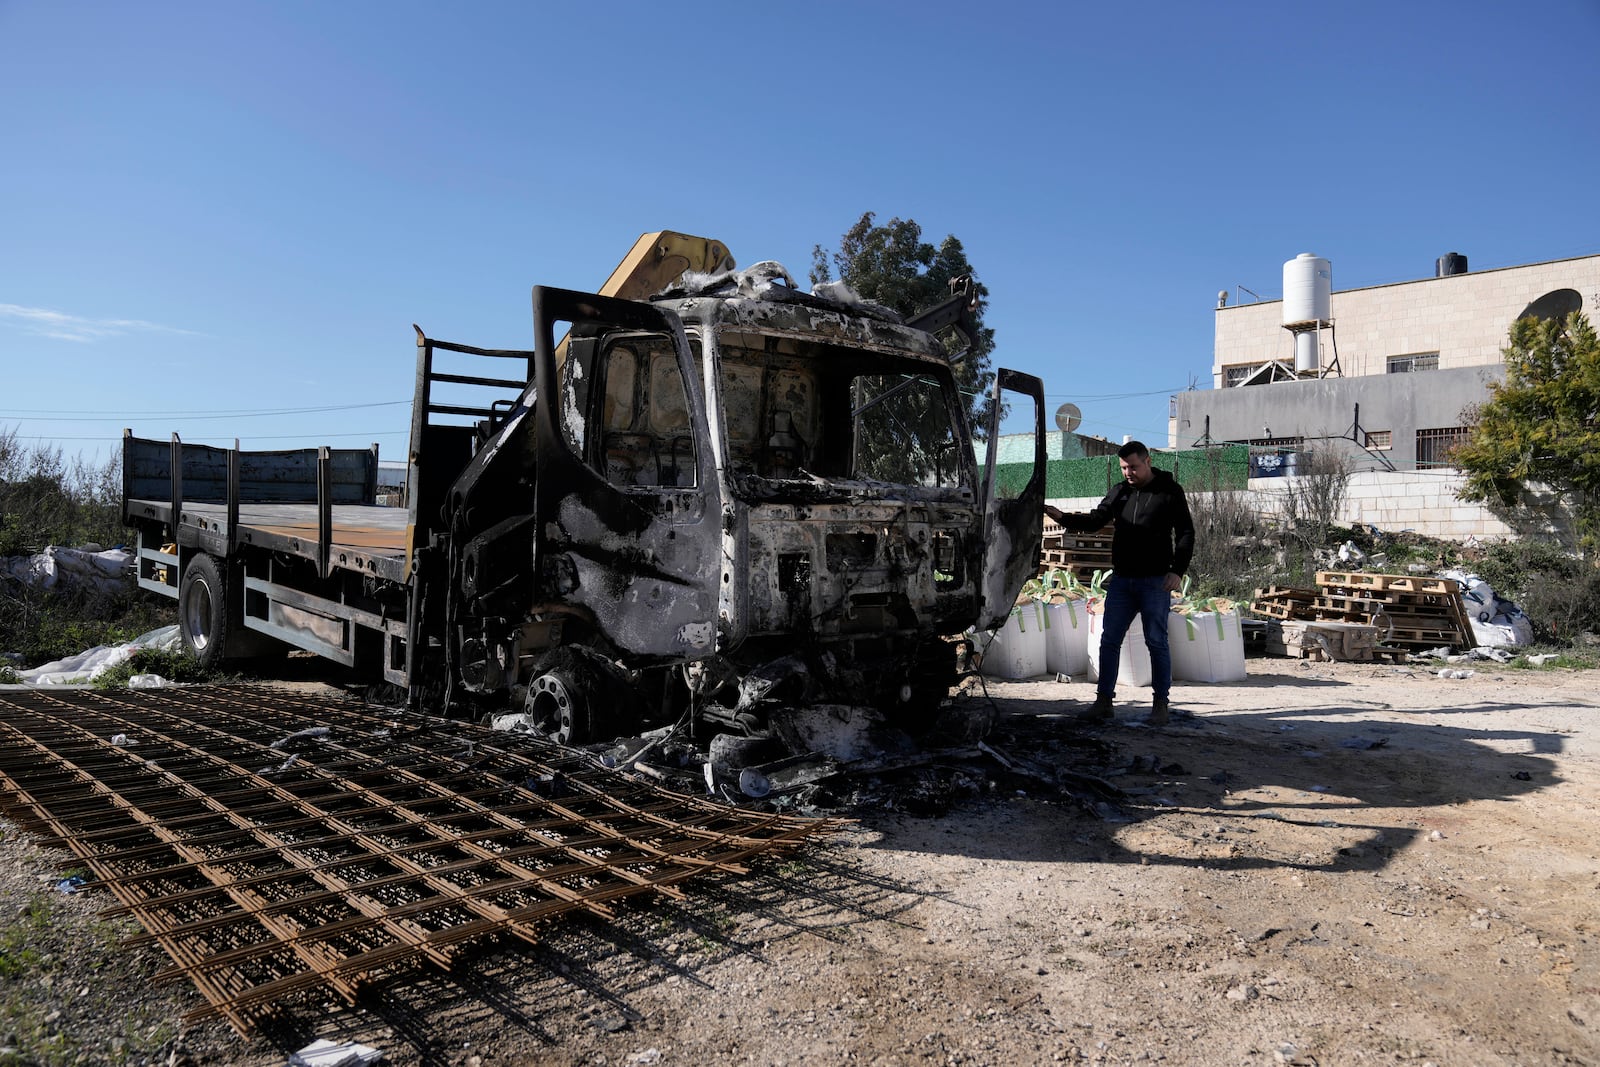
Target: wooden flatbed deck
point(366, 537)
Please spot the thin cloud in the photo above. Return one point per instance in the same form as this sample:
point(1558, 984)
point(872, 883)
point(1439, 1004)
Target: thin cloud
point(42, 322)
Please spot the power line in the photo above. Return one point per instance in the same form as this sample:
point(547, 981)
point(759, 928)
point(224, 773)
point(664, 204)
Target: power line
point(117, 438)
point(1116, 396)
point(75, 415)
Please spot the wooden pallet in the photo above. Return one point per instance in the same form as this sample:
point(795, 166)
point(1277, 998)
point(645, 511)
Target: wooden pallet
point(1080, 553)
point(1402, 583)
point(1283, 602)
point(1424, 612)
point(1350, 642)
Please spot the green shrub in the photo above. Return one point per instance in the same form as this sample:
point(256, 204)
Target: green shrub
point(1559, 592)
point(46, 499)
point(49, 624)
point(174, 666)
point(1569, 659)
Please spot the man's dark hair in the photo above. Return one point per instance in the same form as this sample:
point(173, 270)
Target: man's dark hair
point(1133, 448)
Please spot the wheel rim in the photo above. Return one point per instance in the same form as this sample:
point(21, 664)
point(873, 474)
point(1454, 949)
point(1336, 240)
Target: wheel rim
point(197, 615)
point(551, 703)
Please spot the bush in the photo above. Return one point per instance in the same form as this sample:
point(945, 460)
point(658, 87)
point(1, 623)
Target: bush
point(1559, 592)
point(46, 624)
point(48, 500)
point(1232, 553)
point(173, 666)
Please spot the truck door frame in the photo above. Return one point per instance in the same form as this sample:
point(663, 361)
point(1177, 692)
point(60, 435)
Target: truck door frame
point(644, 560)
point(1013, 528)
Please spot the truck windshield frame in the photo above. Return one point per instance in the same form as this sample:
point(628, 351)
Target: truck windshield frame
point(799, 408)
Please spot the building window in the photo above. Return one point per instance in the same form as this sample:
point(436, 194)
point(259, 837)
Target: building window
point(1380, 439)
point(1236, 374)
point(1433, 446)
point(1414, 362)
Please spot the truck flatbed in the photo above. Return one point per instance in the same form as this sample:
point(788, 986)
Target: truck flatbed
point(363, 537)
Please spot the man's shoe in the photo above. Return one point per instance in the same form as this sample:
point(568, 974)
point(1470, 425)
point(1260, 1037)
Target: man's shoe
point(1160, 713)
point(1100, 711)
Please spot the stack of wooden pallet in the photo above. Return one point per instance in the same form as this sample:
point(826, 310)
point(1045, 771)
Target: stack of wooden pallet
point(1404, 611)
point(1413, 612)
point(1323, 640)
point(1285, 602)
point(1080, 553)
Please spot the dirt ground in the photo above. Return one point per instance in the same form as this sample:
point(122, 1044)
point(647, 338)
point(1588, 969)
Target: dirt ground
point(1328, 864)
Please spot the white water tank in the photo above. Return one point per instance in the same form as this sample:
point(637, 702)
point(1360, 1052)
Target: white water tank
point(1307, 289)
point(1307, 357)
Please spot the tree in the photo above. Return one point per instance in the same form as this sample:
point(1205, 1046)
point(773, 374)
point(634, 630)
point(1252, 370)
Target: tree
point(895, 267)
point(1540, 428)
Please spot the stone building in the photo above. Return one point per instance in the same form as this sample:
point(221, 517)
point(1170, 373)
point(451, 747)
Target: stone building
point(1381, 376)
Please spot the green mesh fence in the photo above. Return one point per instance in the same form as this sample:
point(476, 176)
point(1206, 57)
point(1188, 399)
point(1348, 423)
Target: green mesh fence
point(1198, 470)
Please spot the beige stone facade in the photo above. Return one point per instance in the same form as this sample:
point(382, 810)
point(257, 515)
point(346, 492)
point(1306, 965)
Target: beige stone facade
point(1463, 319)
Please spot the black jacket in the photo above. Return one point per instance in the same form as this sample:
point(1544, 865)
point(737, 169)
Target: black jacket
point(1154, 534)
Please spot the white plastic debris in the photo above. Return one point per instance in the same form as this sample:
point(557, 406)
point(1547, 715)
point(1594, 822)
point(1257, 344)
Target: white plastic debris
point(106, 572)
point(1447, 672)
point(148, 681)
point(301, 735)
point(85, 667)
point(325, 1053)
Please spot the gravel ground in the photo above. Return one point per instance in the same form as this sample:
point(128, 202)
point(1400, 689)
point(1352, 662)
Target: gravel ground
point(1328, 864)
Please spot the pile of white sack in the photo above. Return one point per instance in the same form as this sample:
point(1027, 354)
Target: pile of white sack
point(1496, 623)
point(109, 572)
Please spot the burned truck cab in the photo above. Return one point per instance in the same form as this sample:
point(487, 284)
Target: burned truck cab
point(746, 493)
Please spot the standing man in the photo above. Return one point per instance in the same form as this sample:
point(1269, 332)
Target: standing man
point(1150, 550)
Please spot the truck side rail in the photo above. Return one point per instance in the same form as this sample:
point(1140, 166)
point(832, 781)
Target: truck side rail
point(441, 447)
point(159, 477)
point(151, 470)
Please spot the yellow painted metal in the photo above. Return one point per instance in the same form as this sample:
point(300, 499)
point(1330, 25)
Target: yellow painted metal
point(657, 259)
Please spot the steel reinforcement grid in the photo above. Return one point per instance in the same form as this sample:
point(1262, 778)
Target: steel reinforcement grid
point(274, 844)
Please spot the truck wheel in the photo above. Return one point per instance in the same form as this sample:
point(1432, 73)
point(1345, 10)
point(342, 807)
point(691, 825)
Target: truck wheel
point(203, 611)
point(558, 707)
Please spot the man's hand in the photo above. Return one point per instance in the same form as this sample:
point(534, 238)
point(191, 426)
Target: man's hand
point(1055, 515)
point(1174, 583)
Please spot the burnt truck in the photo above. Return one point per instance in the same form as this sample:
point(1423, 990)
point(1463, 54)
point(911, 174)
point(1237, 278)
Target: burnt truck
point(703, 493)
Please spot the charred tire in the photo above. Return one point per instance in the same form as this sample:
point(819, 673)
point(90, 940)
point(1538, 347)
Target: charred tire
point(934, 670)
point(203, 611)
point(559, 706)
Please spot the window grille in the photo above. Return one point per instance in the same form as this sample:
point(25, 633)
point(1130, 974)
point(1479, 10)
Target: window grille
point(1416, 361)
point(1433, 446)
point(1235, 375)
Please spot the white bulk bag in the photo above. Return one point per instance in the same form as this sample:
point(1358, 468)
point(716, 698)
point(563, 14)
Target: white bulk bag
point(1208, 644)
point(1066, 637)
point(1133, 664)
point(1016, 649)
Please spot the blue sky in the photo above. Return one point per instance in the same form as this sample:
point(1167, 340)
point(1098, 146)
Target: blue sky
point(221, 219)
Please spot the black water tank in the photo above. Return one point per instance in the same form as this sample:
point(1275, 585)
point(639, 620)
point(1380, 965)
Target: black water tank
point(1449, 264)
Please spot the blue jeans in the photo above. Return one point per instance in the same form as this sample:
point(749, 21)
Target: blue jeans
point(1147, 598)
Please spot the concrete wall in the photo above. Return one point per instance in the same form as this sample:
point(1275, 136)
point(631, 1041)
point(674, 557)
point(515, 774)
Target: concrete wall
point(1422, 502)
point(1324, 412)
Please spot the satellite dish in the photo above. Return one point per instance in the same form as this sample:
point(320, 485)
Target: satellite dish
point(1068, 417)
